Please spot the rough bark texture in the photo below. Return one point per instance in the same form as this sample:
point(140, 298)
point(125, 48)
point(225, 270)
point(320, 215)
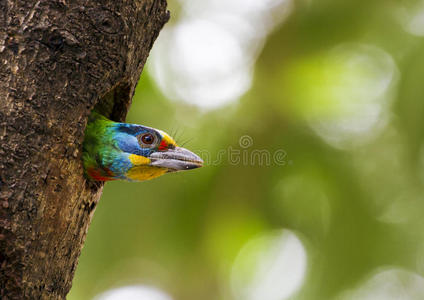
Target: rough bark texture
point(58, 59)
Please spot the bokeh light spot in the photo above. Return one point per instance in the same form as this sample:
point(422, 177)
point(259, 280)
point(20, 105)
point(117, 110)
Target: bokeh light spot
point(205, 67)
point(344, 94)
point(412, 18)
point(135, 292)
point(392, 284)
point(207, 59)
point(271, 267)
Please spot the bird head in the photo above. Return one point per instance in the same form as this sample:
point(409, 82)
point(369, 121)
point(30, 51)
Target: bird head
point(147, 152)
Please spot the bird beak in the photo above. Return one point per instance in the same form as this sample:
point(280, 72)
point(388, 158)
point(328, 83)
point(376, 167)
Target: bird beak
point(177, 159)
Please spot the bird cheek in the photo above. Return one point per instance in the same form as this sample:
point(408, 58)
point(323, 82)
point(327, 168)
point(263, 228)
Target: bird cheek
point(137, 160)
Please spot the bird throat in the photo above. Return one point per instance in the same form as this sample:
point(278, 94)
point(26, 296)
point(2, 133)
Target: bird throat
point(140, 173)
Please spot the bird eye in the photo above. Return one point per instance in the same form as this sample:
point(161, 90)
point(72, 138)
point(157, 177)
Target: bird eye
point(147, 139)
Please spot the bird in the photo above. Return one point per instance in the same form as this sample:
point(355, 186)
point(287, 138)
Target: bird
point(124, 151)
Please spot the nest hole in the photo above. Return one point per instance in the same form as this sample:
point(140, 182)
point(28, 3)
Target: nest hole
point(114, 104)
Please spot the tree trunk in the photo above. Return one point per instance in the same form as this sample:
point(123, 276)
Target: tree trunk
point(58, 59)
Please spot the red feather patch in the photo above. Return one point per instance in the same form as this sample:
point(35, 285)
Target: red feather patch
point(163, 146)
point(96, 175)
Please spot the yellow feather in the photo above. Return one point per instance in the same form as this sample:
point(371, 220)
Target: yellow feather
point(141, 173)
point(138, 160)
point(141, 170)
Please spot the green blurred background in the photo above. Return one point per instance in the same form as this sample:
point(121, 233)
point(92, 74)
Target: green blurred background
point(309, 116)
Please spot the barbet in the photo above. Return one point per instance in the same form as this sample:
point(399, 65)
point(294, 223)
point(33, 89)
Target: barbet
point(114, 150)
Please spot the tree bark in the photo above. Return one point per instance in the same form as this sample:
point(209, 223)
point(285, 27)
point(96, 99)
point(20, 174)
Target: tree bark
point(59, 59)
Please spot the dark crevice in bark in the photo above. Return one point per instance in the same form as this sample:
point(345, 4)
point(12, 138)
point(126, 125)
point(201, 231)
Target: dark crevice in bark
point(114, 103)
